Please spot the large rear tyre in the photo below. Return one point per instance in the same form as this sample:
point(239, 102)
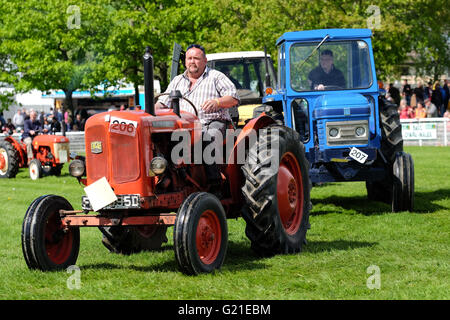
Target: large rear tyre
point(129, 240)
point(391, 130)
point(46, 245)
point(9, 160)
point(268, 110)
point(391, 144)
point(277, 194)
point(200, 234)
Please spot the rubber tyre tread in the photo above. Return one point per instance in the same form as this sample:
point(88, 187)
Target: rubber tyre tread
point(264, 227)
point(391, 130)
point(391, 144)
point(184, 234)
point(28, 253)
point(13, 160)
point(33, 228)
point(403, 186)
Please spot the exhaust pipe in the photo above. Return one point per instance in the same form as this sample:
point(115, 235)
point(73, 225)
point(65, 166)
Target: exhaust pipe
point(148, 82)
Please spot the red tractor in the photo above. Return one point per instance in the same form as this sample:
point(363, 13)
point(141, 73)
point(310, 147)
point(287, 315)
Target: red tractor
point(50, 152)
point(136, 190)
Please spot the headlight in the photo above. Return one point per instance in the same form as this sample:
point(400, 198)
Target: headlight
point(158, 165)
point(360, 131)
point(334, 132)
point(77, 168)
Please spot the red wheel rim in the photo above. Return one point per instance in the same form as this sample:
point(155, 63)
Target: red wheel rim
point(2, 161)
point(208, 237)
point(290, 193)
point(58, 243)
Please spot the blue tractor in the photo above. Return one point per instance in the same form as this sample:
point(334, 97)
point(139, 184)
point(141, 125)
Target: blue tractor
point(328, 92)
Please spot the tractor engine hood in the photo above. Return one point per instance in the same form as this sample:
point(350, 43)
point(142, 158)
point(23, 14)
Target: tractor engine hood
point(341, 105)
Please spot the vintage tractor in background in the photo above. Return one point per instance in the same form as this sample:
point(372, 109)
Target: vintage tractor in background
point(350, 131)
point(251, 72)
point(50, 152)
point(136, 188)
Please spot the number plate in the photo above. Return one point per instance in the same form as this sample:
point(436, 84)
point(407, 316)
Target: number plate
point(358, 155)
point(123, 126)
point(127, 201)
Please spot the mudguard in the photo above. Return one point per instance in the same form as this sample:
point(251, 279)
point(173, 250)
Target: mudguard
point(233, 166)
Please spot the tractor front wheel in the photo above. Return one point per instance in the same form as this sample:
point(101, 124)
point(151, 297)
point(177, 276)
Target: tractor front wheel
point(35, 169)
point(46, 244)
point(200, 234)
point(403, 183)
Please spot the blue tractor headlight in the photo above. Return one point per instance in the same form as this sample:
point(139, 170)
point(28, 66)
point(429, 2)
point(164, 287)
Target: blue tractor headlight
point(333, 132)
point(360, 131)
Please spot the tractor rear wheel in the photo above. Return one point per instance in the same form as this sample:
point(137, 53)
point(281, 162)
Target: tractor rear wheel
point(277, 194)
point(391, 130)
point(9, 160)
point(129, 240)
point(268, 110)
point(200, 234)
point(46, 244)
point(391, 143)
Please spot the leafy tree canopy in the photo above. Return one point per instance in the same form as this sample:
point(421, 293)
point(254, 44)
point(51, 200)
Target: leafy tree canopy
point(67, 45)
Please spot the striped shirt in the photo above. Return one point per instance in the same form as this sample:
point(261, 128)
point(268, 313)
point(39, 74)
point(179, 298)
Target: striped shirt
point(212, 84)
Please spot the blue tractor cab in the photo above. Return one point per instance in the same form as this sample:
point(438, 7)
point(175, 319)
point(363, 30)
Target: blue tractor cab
point(328, 92)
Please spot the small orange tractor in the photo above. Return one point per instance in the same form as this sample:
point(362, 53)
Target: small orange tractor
point(50, 152)
point(136, 188)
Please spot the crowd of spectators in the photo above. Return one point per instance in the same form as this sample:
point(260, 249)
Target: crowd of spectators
point(51, 122)
point(430, 101)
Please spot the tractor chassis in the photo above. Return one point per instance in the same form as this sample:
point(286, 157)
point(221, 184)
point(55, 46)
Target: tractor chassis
point(70, 219)
point(80, 218)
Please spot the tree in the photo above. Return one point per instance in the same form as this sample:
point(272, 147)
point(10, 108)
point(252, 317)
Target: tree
point(401, 26)
point(157, 24)
point(53, 44)
point(134, 25)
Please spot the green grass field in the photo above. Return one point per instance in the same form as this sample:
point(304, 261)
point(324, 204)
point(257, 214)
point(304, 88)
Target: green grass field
point(348, 235)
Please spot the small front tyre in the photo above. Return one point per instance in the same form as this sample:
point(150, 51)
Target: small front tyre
point(46, 244)
point(35, 169)
point(200, 234)
point(403, 183)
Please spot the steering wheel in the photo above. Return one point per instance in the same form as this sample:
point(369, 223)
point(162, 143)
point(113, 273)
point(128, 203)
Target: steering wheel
point(186, 99)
